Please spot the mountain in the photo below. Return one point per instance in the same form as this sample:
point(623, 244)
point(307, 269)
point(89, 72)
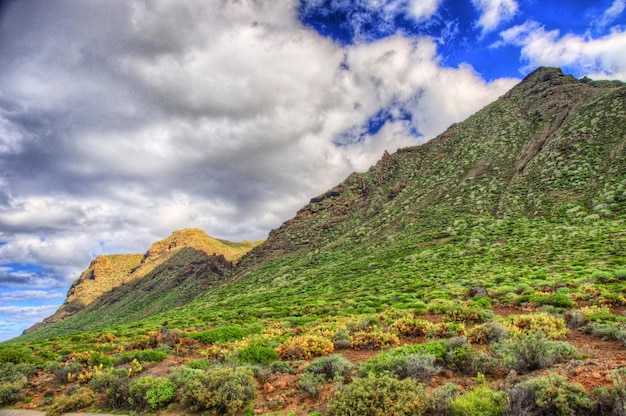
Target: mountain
point(532, 188)
point(172, 272)
point(509, 229)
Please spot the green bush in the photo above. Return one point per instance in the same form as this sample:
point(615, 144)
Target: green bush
point(200, 364)
point(218, 391)
point(114, 385)
point(560, 300)
point(461, 357)
point(487, 333)
point(151, 392)
point(532, 352)
point(480, 401)
point(11, 392)
point(601, 276)
point(162, 393)
point(415, 365)
point(467, 315)
point(311, 383)
point(225, 333)
point(81, 398)
point(551, 394)
point(256, 353)
point(281, 367)
point(15, 355)
point(442, 398)
point(379, 395)
point(611, 400)
point(333, 367)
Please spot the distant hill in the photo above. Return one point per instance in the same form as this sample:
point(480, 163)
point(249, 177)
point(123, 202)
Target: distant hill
point(194, 260)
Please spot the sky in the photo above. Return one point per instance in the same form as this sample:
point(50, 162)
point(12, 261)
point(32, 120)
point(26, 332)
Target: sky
point(124, 120)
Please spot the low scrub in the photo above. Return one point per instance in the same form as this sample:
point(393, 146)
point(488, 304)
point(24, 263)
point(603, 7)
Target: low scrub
point(379, 395)
point(219, 391)
point(551, 394)
point(534, 351)
point(79, 399)
point(332, 368)
point(223, 334)
point(413, 365)
point(305, 347)
point(551, 326)
point(257, 353)
point(482, 401)
point(154, 393)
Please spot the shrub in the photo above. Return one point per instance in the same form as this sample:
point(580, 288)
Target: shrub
point(481, 401)
point(412, 327)
point(341, 340)
point(281, 367)
point(551, 394)
point(161, 393)
point(15, 355)
point(373, 340)
point(379, 395)
point(200, 364)
point(461, 357)
point(256, 353)
point(81, 398)
point(467, 315)
point(153, 392)
point(551, 326)
point(532, 352)
point(560, 300)
point(226, 333)
point(611, 400)
point(115, 385)
point(417, 366)
point(601, 276)
point(11, 392)
point(620, 274)
point(598, 314)
point(487, 333)
point(442, 398)
point(447, 329)
point(305, 347)
point(333, 367)
point(311, 384)
point(219, 391)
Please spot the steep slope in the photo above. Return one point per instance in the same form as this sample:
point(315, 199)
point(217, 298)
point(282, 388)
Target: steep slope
point(119, 288)
point(552, 146)
point(528, 193)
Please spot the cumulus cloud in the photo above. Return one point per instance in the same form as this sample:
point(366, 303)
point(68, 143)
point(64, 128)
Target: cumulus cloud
point(121, 121)
point(603, 57)
point(494, 12)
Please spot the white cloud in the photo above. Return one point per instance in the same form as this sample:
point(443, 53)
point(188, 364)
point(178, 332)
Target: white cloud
point(29, 295)
point(14, 319)
point(494, 12)
point(603, 57)
point(423, 9)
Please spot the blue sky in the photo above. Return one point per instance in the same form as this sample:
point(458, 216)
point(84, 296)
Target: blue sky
point(122, 121)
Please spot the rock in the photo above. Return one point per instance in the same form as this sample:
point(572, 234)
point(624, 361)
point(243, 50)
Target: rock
point(478, 291)
point(268, 388)
point(596, 375)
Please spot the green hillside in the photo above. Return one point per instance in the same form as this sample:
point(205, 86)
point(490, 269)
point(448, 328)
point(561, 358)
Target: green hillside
point(449, 273)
